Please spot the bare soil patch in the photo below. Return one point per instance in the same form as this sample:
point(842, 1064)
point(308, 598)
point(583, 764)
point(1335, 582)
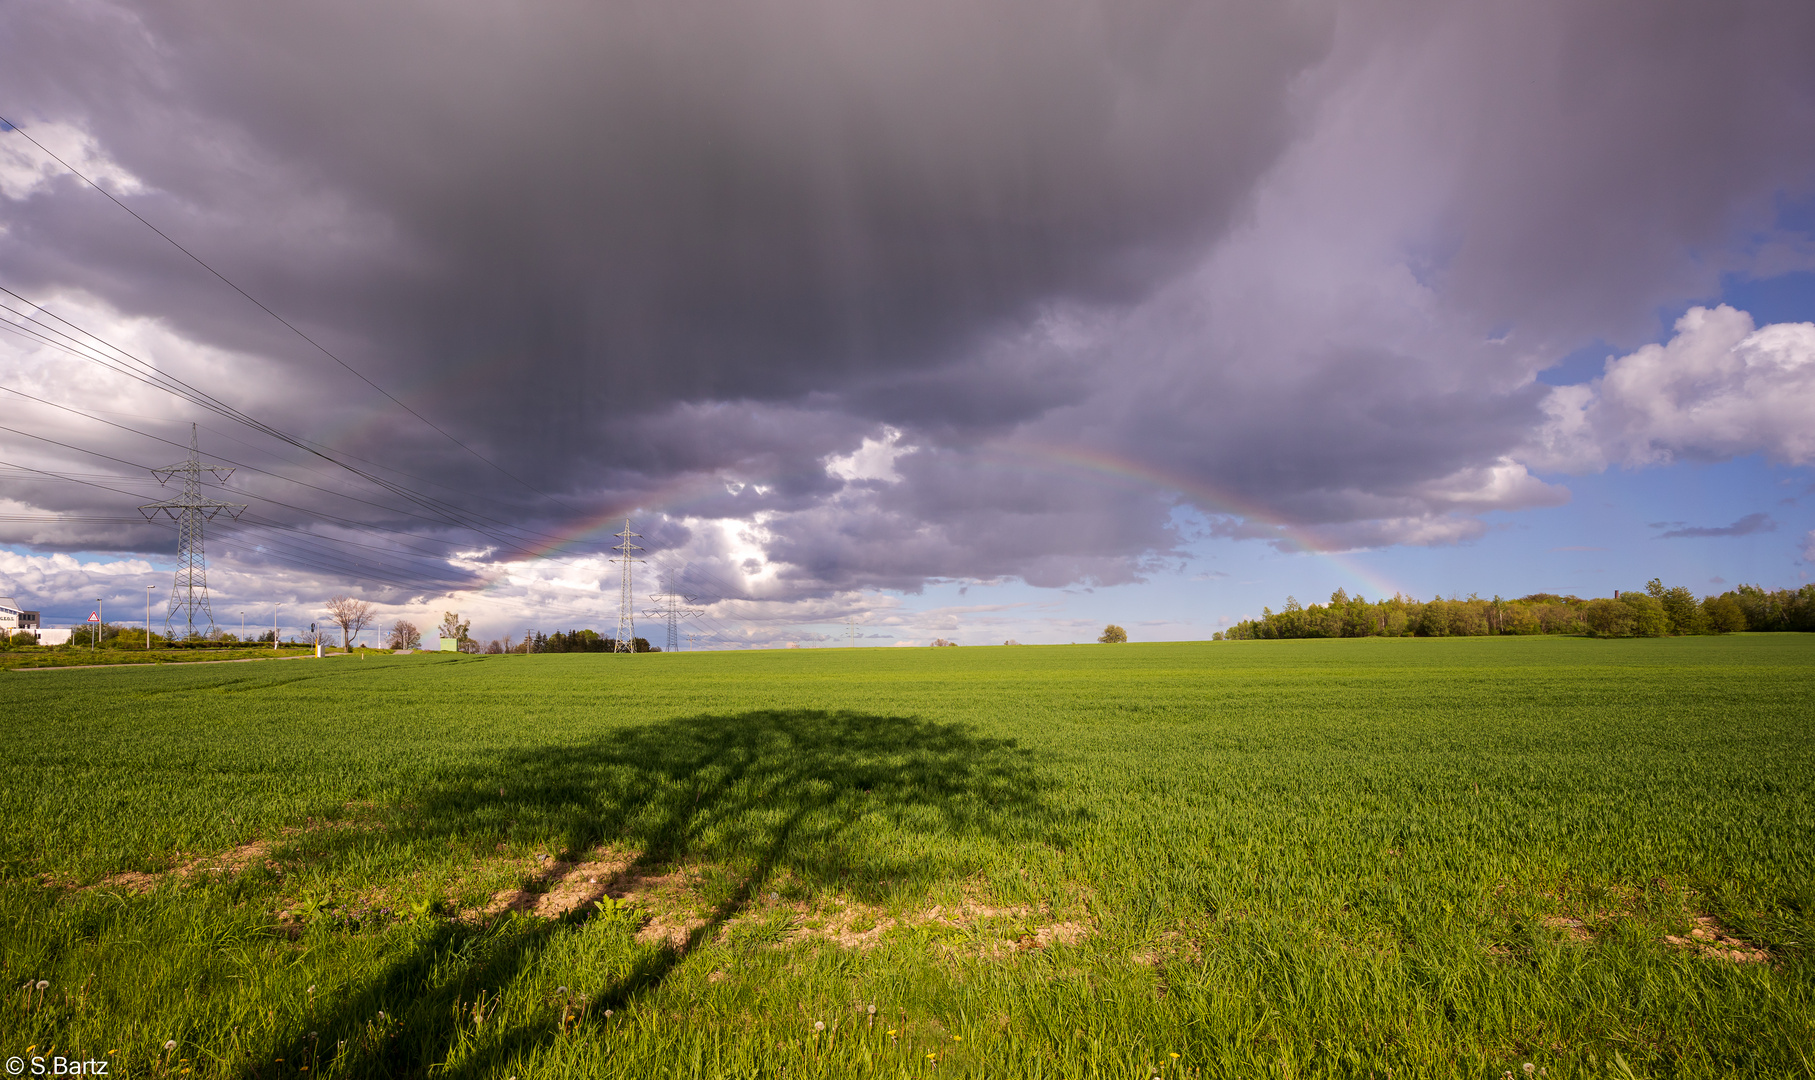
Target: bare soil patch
point(673, 911)
point(1710, 939)
point(556, 888)
point(231, 861)
point(1574, 930)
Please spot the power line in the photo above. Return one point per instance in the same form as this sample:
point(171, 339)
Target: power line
point(671, 607)
point(190, 510)
point(626, 638)
point(443, 512)
point(9, 125)
point(311, 512)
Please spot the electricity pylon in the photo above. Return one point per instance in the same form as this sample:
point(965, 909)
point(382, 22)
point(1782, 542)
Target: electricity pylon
point(850, 630)
point(189, 511)
point(671, 607)
point(627, 629)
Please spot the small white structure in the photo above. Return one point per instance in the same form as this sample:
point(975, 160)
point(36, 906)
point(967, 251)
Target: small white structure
point(53, 637)
point(13, 619)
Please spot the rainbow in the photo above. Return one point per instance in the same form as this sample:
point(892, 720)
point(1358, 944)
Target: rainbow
point(593, 530)
point(1114, 467)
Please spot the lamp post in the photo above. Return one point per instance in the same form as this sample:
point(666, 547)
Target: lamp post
point(274, 608)
point(242, 628)
point(148, 589)
point(94, 641)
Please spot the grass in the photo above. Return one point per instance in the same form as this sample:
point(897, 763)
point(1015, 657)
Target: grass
point(32, 658)
point(1440, 857)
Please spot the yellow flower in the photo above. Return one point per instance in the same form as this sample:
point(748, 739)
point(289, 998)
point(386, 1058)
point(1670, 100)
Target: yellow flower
point(1175, 1055)
point(957, 1038)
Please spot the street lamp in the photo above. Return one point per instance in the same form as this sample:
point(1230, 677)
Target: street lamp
point(148, 589)
point(94, 640)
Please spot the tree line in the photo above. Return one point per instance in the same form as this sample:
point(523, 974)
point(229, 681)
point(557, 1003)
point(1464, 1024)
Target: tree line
point(1658, 611)
point(404, 635)
point(580, 641)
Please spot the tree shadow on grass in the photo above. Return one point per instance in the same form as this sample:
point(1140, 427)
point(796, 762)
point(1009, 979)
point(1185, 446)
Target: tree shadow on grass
point(860, 803)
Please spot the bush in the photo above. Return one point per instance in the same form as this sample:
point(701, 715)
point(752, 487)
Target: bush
point(1648, 616)
point(1608, 618)
point(1113, 635)
point(1724, 614)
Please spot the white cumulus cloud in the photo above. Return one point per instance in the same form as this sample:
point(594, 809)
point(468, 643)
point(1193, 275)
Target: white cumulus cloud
point(1720, 388)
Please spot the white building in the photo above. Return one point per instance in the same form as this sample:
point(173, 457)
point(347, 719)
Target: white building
point(13, 619)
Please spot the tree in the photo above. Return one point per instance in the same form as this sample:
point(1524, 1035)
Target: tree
point(452, 627)
point(1685, 614)
point(403, 635)
point(352, 615)
point(1648, 617)
point(1115, 635)
point(1724, 614)
point(1609, 618)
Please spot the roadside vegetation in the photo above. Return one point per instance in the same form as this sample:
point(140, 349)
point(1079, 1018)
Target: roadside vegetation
point(110, 644)
point(1308, 859)
point(1659, 611)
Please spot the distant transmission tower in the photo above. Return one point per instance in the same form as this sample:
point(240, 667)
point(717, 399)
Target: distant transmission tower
point(850, 630)
point(189, 510)
point(671, 607)
point(626, 550)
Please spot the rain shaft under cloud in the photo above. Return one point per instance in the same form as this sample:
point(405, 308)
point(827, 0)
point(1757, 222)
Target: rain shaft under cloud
point(1296, 268)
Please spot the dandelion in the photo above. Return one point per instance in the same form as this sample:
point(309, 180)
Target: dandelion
point(560, 989)
point(819, 1025)
point(43, 983)
point(891, 1033)
point(381, 1014)
point(607, 1014)
point(957, 1038)
point(1173, 1056)
point(170, 1044)
point(1529, 1068)
point(872, 1010)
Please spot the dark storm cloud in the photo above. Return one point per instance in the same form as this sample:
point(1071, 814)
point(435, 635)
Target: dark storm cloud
point(680, 256)
point(613, 211)
point(1746, 526)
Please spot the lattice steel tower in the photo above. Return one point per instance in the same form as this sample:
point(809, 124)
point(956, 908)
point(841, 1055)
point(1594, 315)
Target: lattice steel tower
point(189, 511)
point(671, 607)
point(627, 629)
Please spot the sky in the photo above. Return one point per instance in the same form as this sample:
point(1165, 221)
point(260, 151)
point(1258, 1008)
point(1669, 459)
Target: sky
point(986, 320)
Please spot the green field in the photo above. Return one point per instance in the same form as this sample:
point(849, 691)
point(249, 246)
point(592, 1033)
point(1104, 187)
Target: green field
point(1349, 858)
point(31, 659)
